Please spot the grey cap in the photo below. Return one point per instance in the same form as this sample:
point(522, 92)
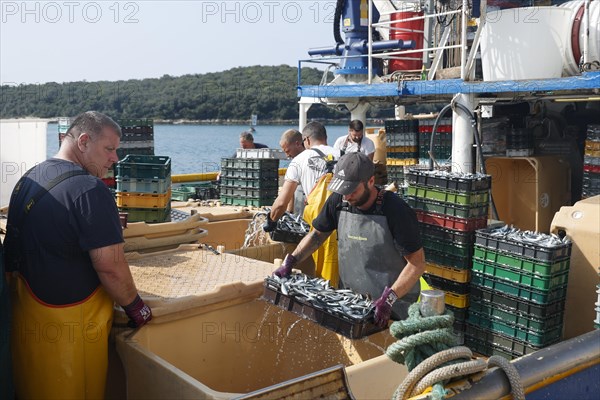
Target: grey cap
point(350, 171)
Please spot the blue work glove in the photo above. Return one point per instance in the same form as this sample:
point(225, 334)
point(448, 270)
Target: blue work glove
point(383, 307)
point(285, 269)
point(138, 312)
point(269, 224)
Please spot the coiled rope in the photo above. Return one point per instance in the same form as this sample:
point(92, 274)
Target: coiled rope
point(425, 346)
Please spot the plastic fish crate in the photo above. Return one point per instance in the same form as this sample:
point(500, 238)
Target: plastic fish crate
point(241, 173)
point(510, 316)
point(455, 223)
point(136, 185)
point(449, 248)
point(143, 200)
point(144, 167)
point(493, 340)
point(464, 199)
point(483, 294)
point(286, 236)
point(485, 238)
point(466, 185)
point(448, 235)
point(250, 182)
point(261, 153)
point(137, 144)
point(147, 214)
point(521, 277)
point(447, 208)
point(401, 126)
point(446, 285)
point(457, 300)
point(460, 314)
point(401, 161)
point(395, 139)
point(592, 168)
point(448, 260)
point(520, 263)
point(402, 149)
point(136, 136)
point(247, 202)
point(251, 193)
point(451, 274)
point(522, 292)
point(522, 334)
point(400, 155)
point(183, 193)
point(250, 163)
point(136, 151)
point(346, 327)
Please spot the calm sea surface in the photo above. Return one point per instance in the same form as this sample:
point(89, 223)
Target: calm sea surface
point(199, 148)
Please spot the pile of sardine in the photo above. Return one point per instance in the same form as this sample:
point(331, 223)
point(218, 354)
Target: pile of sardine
point(528, 237)
point(291, 223)
point(451, 174)
point(319, 294)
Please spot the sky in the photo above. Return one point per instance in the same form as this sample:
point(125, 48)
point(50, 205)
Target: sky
point(67, 41)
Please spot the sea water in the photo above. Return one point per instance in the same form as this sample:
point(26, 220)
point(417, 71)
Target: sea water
point(199, 148)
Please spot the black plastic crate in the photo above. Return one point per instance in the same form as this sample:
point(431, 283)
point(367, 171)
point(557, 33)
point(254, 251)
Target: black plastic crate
point(511, 316)
point(249, 193)
point(286, 236)
point(446, 285)
point(448, 260)
point(486, 238)
point(520, 306)
point(242, 173)
point(454, 210)
point(144, 167)
point(250, 163)
point(346, 327)
point(401, 126)
point(475, 183)
point(460, 314)
point(488, 341)
point(515, 290)
point(448, 235)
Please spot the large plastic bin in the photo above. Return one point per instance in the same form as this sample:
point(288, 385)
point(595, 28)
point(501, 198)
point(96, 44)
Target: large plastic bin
point(527, 191)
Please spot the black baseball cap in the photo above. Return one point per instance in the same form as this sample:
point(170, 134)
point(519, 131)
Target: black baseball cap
point(350, 171)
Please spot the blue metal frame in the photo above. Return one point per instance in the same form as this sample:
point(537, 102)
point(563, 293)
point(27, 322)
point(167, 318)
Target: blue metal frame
point(587, 81)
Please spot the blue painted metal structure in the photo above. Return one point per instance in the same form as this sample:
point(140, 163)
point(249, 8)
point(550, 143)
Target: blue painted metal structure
point(587, 82)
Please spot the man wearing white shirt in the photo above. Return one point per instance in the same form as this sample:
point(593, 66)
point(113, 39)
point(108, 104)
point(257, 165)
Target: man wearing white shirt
point(355, 141)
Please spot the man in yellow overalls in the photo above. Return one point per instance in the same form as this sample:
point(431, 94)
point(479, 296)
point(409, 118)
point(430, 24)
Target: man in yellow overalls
point(64, 245)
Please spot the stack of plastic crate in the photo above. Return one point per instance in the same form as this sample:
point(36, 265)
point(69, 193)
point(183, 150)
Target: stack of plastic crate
point(442, 143)
point(450, 207)
point(402, 149)
point(249, 181)
point(63, 127)
point(591, 165)
point(137, 137)
point(144, 188)
point(597, 320)
point(518, 291)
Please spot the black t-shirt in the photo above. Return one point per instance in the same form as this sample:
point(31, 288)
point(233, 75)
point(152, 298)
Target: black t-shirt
point(401, 220)
point(74, 217)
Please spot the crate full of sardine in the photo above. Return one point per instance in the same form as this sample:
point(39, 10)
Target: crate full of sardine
point(340, 310)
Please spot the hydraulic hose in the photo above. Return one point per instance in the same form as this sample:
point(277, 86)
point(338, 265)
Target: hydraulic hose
point(337, 16)
point(477, 143)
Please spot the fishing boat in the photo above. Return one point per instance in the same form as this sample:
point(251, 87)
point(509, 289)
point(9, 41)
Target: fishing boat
point(214, 337)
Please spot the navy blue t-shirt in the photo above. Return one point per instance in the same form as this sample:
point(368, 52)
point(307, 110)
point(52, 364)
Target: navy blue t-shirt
point(76, 216)
point(401, 220)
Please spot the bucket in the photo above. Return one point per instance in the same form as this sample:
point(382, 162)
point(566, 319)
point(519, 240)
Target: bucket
point(408, 30)
point(576, 36)
point(524, 43)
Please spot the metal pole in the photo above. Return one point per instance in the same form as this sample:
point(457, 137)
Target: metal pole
point(463, 38)
point(370, 43)
point(586, 27)
point(462, 135)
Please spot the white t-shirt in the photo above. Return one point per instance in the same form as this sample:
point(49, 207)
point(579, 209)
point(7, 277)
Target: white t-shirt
point(307, 167)
point(367, 146)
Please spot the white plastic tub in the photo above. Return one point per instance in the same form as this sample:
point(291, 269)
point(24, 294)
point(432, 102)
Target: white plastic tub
point(525, 43)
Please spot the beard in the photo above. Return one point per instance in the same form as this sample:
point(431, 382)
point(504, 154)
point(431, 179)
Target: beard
point(363, 198)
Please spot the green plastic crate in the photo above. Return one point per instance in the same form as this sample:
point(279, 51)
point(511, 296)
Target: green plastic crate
point(448, 260)
point(147, 214)
point(144, 167)
point(521, 277)
point(250, 182)
point(490, 343)
point(454, 249)
point(446, 196)
point(519, 291)
point(242, 173)
point(482, 294)
point(447, 208)
point(543, 268)
point(250, 163)
point(244, 201)
point(524, 335)
point(514, 318)
point(183, 193)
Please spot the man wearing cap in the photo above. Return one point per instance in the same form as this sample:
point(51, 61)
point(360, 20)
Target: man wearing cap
point(379, 245)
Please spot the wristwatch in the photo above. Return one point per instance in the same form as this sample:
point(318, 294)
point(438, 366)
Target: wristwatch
point(391, 297)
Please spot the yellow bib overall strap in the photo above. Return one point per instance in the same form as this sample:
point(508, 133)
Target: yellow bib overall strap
point(60, 352)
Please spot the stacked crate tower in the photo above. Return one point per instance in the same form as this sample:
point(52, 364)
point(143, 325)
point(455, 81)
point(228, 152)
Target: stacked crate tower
point(518, 291)
point(249, 181)
point(450, 207)
point(402, 149)
point(591, 164)
point(144, 188)
point(442, 143)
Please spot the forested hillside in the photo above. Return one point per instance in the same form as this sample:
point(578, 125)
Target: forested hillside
point(269, 91)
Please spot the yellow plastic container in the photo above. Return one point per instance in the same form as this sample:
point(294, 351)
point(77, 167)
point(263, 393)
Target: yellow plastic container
point(456, 275)
point(143, 200)
point(581, 223)
point(402, 161)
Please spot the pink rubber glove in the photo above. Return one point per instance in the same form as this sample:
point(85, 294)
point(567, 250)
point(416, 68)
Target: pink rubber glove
point(138, 312)
point(285, 269)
